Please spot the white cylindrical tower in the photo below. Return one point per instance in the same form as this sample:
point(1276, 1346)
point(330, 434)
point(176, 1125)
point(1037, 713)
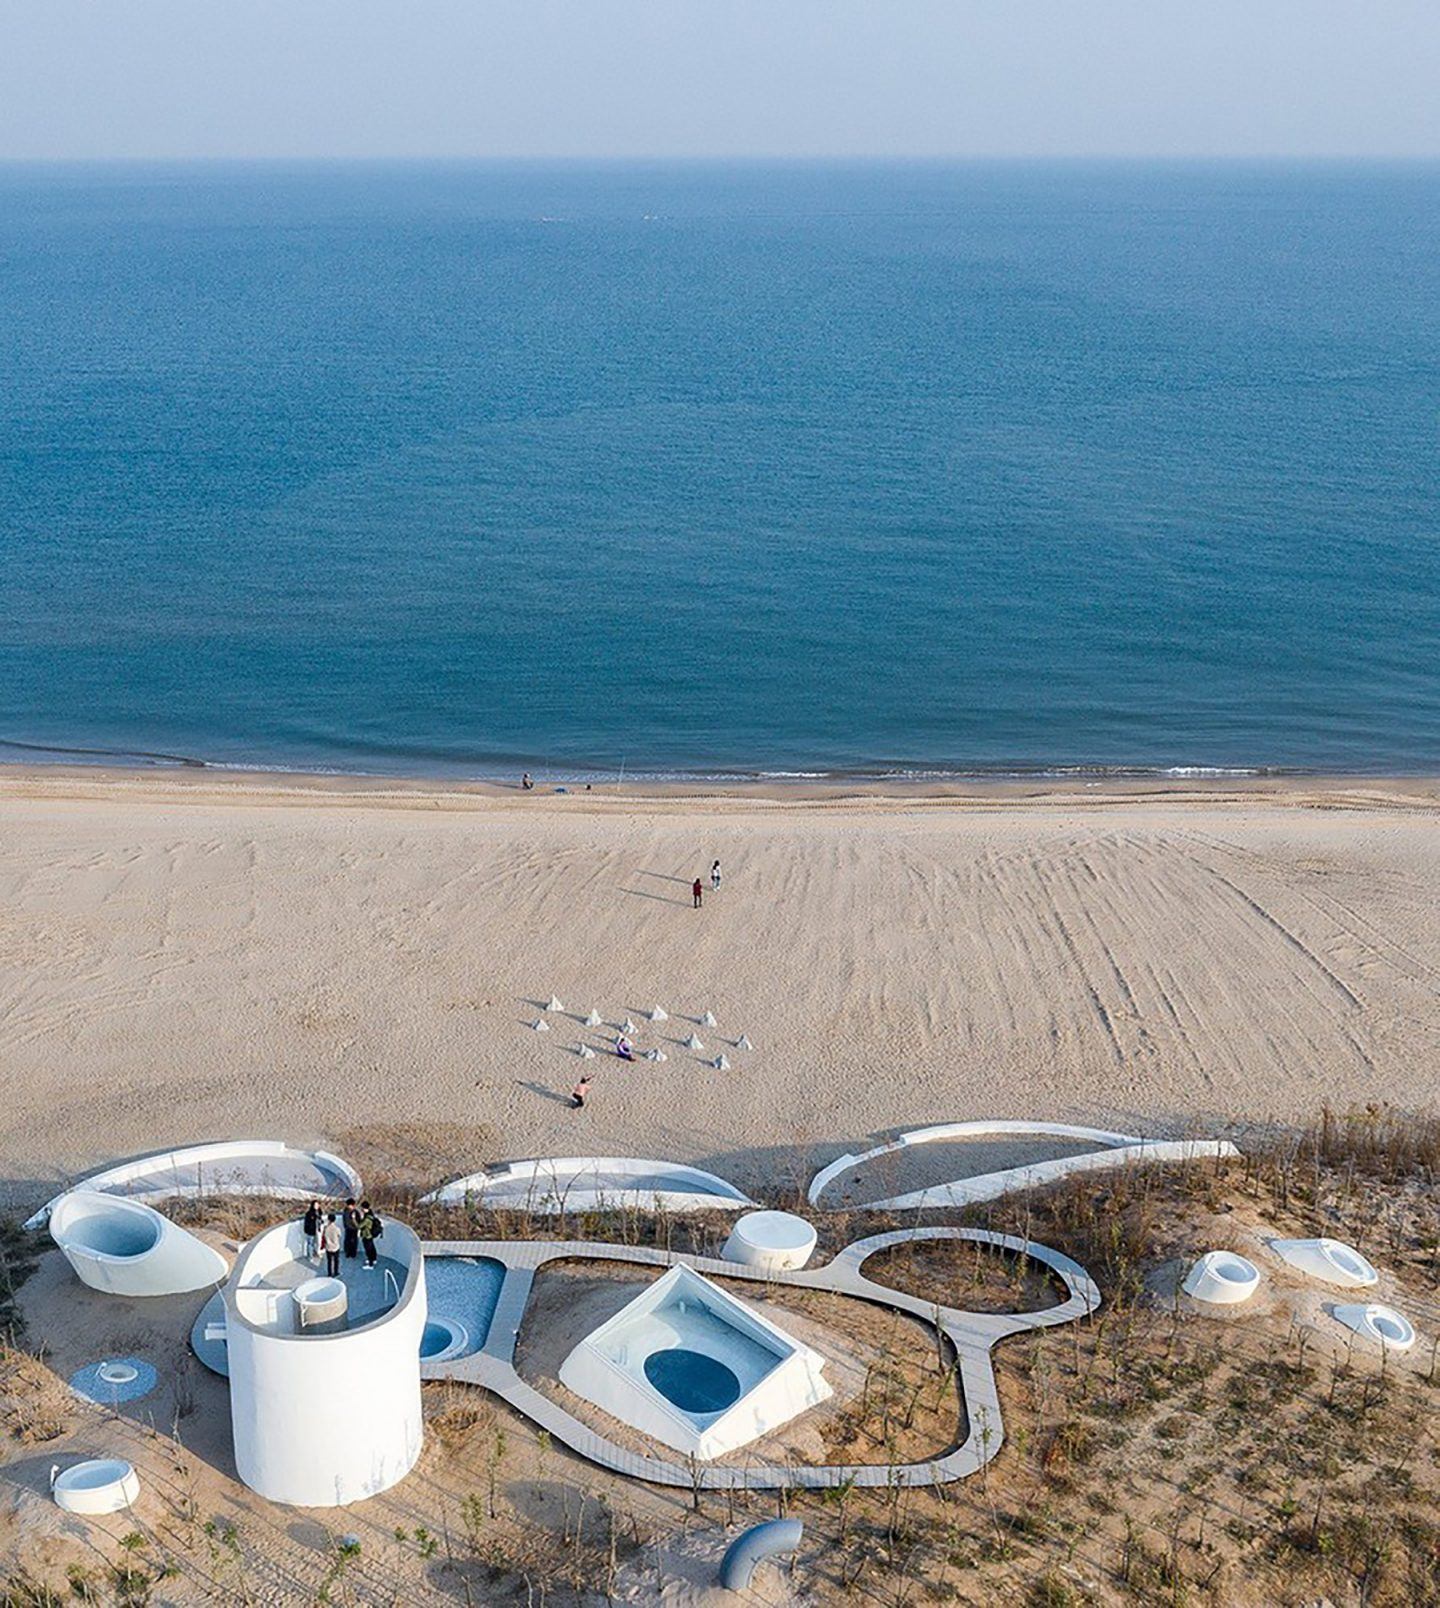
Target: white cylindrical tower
point(329, 1417)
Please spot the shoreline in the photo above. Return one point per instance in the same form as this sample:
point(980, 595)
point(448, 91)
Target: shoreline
point(62, 781)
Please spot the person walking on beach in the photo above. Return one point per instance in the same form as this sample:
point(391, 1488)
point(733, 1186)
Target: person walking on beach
point(715, 877)
point(697, 893)
point(371, 1228)
point(311, 1225)
point(578, 1093)
point(330, 1244)
point(350, 1217)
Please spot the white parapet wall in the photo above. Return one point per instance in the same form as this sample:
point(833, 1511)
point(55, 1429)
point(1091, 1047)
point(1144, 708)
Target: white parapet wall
point(1112, 1150)
point(323, 1419)
point(590, 1183)
point(223, 1167)
point(124, 1247)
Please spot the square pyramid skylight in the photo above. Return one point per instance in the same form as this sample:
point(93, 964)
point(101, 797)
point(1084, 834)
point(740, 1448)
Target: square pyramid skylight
point(691, 1366)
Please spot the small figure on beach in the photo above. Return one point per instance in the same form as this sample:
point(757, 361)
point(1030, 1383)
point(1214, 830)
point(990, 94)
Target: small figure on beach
point(526, 783)
point(579, 1092)
point(350, 1220)
point(697, 893)
point(624, 1048)
point(715, 877)
point(330, 1244)
point(311, 1225)
point(370, 1229)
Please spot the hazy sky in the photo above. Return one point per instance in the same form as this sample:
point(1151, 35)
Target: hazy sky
point(242, 78)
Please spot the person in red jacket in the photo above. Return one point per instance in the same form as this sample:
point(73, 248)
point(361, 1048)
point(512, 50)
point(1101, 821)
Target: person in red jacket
point(697, 893)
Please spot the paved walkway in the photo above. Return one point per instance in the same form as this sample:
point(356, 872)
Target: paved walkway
point(972, 1334)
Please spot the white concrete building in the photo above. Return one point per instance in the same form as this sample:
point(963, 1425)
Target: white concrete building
point(325, 1373)
point(690, 1365)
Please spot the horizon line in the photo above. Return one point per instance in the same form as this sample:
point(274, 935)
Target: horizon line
point(797, 159)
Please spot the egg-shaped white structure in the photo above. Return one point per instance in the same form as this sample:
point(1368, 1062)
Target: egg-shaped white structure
point(127, 1248)
point(775, 1242)
point(1331, 1261)
point(1382, 1324)
point(1222, 1278)
point(329, 1412)
point(98, 1485)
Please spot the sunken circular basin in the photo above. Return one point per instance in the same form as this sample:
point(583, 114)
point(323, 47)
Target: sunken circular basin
point(692, 1381)
point(443, 1338)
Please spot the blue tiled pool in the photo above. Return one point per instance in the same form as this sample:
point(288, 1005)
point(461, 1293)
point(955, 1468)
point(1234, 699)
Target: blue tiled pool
point(460, 1296)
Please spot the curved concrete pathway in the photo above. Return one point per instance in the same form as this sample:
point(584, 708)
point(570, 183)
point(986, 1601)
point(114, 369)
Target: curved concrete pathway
point(972, 1334)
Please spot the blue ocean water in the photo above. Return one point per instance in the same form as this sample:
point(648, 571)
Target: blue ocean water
point(468, 469)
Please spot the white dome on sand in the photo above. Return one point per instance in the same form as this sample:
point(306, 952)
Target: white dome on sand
point(1331, 1261)
point(1222, 1278)
point(1382, 1324)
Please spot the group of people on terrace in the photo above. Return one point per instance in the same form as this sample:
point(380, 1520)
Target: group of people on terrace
point(358, 1228)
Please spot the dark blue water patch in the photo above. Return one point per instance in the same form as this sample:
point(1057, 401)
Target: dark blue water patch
point(464, 470)
point(692, 1381)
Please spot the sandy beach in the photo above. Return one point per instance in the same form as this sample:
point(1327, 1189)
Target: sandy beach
point(186, 956)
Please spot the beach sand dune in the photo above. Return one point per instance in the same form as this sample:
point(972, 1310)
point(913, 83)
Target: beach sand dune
point(188, 961)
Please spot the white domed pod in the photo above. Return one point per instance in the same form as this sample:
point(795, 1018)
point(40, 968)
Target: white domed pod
point(1387, 1328)
point(1222, 1278)
point(1331, 1261)
point(127, 1248)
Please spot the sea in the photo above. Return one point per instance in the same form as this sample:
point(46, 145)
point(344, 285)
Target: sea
point(722, 470)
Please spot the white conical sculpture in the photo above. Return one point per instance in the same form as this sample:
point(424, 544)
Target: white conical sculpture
point(540, 1025)
point(594, 1019)
point(585, 1053)
point(655, 1055)
point(554, 1004)
point(693, 1042)
point(628, 1028)
point(720, 1064)
point(657, 1014)
point(708, 1020)
point(743, 1042)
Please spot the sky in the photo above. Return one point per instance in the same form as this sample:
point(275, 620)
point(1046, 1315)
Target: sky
point(188, 79)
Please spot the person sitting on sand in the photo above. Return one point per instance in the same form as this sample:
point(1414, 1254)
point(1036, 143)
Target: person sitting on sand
point(578, 1093)
point(624, 1048)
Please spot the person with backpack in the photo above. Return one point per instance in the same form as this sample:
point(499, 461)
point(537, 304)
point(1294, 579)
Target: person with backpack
point(370, 1230)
